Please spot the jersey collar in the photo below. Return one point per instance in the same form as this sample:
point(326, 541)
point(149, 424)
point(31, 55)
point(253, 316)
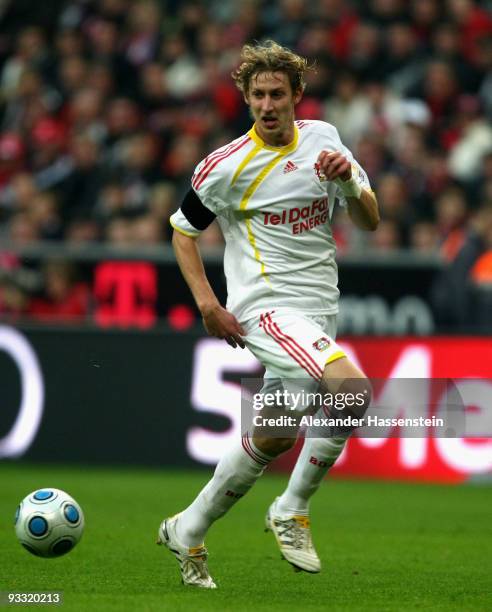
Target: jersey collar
point(253, 134)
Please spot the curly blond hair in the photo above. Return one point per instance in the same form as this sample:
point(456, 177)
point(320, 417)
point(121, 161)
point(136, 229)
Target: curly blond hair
point(270, 57)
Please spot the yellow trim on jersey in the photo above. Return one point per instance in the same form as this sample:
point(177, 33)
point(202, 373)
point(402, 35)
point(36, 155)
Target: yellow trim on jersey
point(253, 186)
point(252, 241)
point(255, 183)
point(256, 138)
point(182, 231)
point(334, 357)
point(245, 162)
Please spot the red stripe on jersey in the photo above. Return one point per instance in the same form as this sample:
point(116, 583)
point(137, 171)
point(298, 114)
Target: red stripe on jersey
point(213, 161)
point(216, 160)
point(207, 161)
point(292, 348)
point(210, 158)
point(309, 358)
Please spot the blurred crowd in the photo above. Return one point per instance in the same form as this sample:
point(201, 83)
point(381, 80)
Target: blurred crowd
point(106, 107)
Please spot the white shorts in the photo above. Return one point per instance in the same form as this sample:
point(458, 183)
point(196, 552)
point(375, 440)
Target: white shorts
point(292, 345)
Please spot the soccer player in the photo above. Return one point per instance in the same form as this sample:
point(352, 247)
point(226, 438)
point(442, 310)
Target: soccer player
point(273, 191)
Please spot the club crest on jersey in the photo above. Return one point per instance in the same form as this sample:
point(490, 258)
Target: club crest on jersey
point(322, 343)
point(319, 173)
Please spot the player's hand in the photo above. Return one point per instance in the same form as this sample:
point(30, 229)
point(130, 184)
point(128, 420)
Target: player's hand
point(334, 164)
point(220, 323)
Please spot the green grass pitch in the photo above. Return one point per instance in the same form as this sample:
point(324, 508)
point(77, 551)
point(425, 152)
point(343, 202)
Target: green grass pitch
point(384, 546)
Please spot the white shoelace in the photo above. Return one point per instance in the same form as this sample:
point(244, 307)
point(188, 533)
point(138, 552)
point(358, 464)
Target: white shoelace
point(292, 534)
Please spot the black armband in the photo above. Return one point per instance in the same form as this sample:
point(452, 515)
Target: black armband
point(196, 212)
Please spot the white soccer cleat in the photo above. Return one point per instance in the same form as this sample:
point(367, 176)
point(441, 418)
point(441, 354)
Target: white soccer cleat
point(293, 535)
point(192, 561)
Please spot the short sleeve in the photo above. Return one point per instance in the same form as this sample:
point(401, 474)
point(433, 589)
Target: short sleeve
point(193, 217)
point(181, 224)
point(208, 184)
point(204, 200)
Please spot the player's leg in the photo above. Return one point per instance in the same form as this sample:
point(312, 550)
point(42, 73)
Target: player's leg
point(310, 343)
point(288, 516)
point(235, 474)
point(319, 451)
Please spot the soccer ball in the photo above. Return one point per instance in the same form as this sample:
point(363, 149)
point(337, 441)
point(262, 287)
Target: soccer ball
point(49, 523)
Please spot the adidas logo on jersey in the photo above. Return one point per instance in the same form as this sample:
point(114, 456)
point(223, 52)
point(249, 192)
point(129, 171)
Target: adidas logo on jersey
point(290, 167)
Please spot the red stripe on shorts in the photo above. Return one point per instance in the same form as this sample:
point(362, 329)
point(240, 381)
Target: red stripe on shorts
point(292, 348)
point(314, 364)
point(270, 330)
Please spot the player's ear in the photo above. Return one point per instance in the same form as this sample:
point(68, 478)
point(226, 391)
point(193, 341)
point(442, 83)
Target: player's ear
point(298, 95)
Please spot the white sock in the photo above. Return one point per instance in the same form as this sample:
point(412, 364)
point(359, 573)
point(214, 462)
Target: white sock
point(234, 476)
point(316, 458)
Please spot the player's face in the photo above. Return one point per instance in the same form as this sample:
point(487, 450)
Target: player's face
point(272, 101)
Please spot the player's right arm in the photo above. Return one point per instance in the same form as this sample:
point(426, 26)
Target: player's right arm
point(192, 218)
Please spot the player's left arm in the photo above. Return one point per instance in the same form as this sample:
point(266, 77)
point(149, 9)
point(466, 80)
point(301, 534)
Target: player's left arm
point(362, 203)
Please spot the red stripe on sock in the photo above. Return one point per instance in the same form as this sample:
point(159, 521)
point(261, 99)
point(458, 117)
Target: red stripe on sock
point(257, 457)
point(251, 452)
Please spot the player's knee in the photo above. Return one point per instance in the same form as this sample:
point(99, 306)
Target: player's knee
point(357, 394)
point(274, 446)
point(352, 398)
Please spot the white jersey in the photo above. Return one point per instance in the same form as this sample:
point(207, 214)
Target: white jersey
point(274, 208)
